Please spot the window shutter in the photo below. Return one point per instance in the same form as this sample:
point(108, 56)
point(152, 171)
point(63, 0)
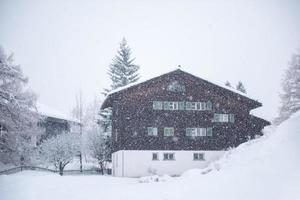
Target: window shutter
point(209, 131)
point(208, 105)
point(231, 118)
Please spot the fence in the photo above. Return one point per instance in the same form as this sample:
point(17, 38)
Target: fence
point(66, 172)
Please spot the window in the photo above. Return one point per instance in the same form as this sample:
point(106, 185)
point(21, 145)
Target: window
point(223, 117)
point(173, 105)
point(194, 132)
point(157, 105)
point(201, 106)
point(190, 132)
point(198, 156)
point(168, 131)
point(169, 156)
point(154, 156)
point(181, 105)
point(166, 105)
point(152, 131)
point(188, 106)
point(175, 86)
point(201, 132)
point(191, 105)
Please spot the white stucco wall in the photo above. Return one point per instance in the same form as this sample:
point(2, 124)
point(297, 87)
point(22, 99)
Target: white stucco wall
point(129, 163)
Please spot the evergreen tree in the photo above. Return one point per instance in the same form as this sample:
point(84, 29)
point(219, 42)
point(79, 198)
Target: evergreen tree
point(240, 87)
point(290, 96)
point(228, 84)
point(122, 70)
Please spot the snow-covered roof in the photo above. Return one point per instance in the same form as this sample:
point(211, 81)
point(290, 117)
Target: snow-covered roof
point(218, 83)
point(50, 112)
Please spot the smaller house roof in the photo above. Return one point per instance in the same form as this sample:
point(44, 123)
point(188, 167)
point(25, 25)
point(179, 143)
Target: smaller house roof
point(47, 111)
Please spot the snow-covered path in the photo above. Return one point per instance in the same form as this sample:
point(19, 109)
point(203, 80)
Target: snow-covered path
point(266, 168)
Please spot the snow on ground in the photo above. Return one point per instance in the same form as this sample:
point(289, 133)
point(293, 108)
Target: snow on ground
point(266, 168)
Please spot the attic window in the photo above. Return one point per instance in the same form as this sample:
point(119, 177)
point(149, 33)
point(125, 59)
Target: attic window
point(175, 86)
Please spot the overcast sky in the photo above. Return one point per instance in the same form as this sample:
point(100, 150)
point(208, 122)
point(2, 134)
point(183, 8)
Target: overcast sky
point(65, 46)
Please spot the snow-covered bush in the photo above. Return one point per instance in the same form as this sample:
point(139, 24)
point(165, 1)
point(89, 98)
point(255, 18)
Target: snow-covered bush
point(99, 147)
point(60, 150)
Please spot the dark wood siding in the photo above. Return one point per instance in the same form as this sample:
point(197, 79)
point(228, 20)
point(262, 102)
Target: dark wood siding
point(133, 112)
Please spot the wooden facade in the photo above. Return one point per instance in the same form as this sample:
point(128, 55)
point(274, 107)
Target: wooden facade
point(133, 113)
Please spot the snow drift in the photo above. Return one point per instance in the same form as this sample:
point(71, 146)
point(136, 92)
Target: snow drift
point(265, 168)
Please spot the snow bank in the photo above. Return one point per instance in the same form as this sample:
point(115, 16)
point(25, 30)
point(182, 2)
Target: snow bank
point(265, 168)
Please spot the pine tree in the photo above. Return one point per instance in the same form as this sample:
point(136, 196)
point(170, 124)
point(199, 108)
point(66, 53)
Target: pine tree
point(123, 71)
point(240, 87)
point(228, 84)
point(290, 96)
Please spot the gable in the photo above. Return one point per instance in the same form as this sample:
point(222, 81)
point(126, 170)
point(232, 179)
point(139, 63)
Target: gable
point(179, 83)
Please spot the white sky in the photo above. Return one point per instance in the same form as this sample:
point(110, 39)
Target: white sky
point(63, 46)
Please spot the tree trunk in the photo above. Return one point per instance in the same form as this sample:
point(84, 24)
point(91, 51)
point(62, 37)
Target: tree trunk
point(80, 160)
point(61, 169)
point(101, 168)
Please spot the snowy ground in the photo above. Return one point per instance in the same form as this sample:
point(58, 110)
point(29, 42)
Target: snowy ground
point(266, 168)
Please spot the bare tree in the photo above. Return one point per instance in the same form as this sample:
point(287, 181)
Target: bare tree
point(78, 114)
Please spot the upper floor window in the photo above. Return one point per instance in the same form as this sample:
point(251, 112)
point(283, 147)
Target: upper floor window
point(175, 105)
point(169, 156)
point(198, 156)
point(198, 105)
point(157, 105)
point(223, 117)
point(168, 131)
point(194, 132)
point(175, 86)
point(152, 131)
point(170, 105)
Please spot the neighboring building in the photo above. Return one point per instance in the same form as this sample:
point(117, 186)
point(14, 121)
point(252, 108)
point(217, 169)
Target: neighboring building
point(55, 122)
point(175, 122)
